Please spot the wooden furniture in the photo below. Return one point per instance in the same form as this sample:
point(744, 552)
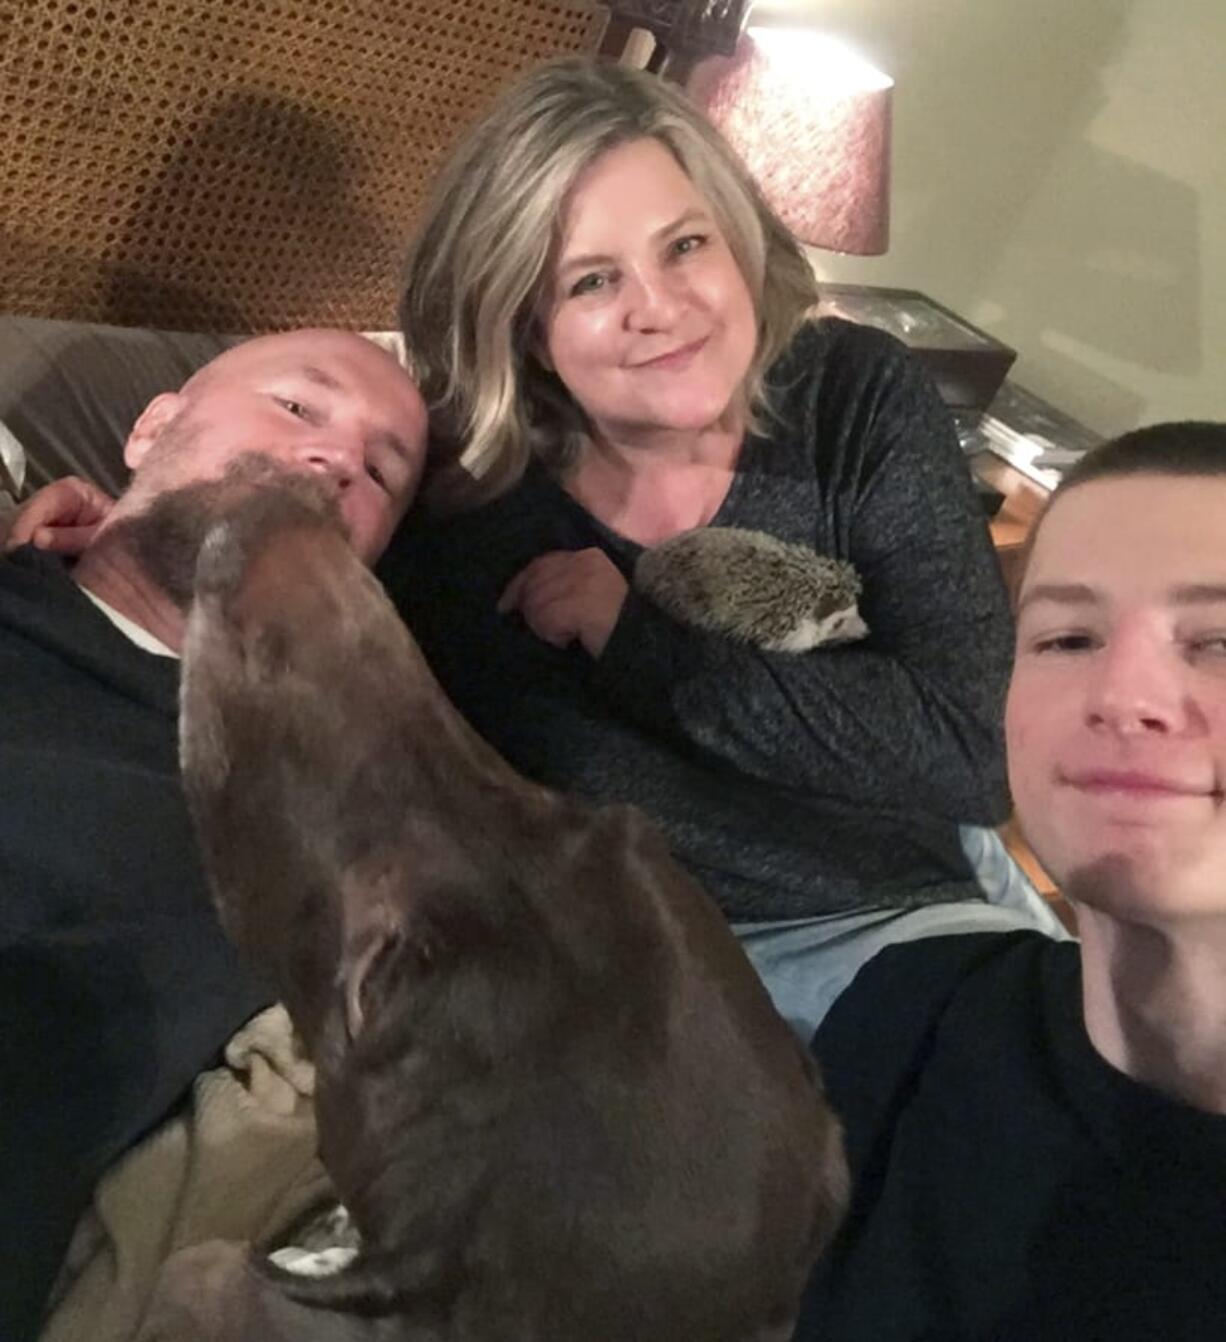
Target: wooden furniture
point(1024, 501)
point(967, 364)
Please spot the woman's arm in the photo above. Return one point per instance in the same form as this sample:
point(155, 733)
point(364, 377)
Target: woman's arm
point(911, 717)
point(61, 517)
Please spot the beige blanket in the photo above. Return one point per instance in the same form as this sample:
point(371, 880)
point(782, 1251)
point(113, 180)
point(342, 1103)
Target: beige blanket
point(238, 1163)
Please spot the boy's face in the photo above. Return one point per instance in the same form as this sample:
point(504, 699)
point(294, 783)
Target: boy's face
point(1116, 716)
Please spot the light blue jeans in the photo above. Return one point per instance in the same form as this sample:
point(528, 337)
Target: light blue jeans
point(805, 963)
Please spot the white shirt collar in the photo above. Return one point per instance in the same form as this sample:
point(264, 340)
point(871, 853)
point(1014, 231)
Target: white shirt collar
point(137, 633)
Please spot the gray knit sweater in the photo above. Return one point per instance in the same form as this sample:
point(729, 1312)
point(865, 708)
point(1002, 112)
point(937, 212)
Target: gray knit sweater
point(790, 784)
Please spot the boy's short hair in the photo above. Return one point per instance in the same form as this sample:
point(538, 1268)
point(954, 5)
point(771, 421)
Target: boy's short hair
point(1182, 447)
point(1186, 447)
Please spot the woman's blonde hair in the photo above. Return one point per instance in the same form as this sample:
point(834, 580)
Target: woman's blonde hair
point(479, 263)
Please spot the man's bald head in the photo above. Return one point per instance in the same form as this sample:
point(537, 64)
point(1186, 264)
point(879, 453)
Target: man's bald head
point(329, 402)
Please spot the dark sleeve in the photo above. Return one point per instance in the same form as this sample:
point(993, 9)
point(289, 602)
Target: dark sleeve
point(912, 717)
point(444, 576)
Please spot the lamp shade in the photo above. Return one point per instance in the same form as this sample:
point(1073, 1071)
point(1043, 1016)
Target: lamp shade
point(811, 120)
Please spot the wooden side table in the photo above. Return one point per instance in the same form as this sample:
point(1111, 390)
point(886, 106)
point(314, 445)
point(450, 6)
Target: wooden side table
point(1024, 501)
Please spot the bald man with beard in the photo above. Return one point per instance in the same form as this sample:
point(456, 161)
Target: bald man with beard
point(116, 984)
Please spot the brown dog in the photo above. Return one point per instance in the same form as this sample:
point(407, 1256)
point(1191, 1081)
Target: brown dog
point(551, 1090)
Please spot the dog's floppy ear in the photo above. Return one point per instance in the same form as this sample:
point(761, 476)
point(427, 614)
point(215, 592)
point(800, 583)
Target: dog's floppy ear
point(374, 929)
point(416, 904)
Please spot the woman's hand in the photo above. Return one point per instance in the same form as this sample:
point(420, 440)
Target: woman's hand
point(566, 595)
point(61, 517)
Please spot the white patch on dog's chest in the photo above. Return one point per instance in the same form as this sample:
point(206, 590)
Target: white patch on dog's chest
point(304, 1263)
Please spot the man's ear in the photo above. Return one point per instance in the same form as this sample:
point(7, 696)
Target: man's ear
point(149, 425)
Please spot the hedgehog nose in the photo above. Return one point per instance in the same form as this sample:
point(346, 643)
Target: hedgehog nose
point(849, 626)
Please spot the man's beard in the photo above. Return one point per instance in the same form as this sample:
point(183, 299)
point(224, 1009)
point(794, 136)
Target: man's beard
point(165, 538)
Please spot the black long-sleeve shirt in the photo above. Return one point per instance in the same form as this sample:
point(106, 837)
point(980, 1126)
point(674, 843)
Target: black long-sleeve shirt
point(790, 784)
point(1008, 1185)
point(116, 983)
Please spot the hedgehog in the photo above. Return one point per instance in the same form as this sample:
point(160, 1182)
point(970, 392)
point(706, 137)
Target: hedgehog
point(750, 586)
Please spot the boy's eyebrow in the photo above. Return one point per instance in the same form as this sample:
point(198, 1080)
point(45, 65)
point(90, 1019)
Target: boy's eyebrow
point(690, 216)
point(1064, 593)
point(1198, 593)
point(1079, 594)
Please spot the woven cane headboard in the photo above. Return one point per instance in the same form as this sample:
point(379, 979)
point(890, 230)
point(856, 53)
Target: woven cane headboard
point(239, 165)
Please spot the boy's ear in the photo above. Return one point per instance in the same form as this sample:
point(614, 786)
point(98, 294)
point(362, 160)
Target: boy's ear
point(149, 425)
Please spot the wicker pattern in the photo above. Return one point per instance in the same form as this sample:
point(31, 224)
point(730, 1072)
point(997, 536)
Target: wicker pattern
point(239, 165)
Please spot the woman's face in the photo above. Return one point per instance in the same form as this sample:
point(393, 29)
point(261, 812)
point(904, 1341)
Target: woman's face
point(648, 321)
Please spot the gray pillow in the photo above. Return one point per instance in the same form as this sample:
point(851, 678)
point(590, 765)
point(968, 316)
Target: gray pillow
point(71, 391)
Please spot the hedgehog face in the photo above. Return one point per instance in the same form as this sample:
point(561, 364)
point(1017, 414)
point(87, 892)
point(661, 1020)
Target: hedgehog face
point(841, 626)
point(814, 631)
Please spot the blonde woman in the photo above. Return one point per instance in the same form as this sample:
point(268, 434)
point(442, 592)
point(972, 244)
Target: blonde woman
point(612, 333)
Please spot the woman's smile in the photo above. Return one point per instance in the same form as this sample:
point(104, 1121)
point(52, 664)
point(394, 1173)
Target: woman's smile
point(675, 359)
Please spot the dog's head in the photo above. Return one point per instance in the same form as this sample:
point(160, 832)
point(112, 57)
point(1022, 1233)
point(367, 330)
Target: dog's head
point(298, 682)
